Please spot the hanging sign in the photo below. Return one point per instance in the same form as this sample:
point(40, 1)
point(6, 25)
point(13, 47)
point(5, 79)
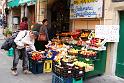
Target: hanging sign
point(108, 32)
point(86, 9)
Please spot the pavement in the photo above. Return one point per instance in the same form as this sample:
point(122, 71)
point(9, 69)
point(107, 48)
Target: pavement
point(7, 77)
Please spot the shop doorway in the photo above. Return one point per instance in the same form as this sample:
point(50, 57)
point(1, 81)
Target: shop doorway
point(60, 15)
point(120, 51)
point(31, 15)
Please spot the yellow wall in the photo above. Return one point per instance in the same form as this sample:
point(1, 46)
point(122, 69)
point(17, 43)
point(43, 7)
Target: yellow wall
point(41, 10)
point(85, 23)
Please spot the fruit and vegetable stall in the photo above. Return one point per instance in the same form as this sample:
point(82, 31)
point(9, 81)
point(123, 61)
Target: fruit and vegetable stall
point(71, 56)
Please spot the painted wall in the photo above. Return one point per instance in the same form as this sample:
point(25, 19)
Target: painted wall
point(41, 10)
point(85, 23)
point(111, 17)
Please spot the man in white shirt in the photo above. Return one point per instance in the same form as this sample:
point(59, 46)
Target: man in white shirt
point(24, 39)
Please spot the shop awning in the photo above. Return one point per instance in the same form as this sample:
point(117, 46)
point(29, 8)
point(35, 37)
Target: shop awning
point(13, 3)
point(28, 2)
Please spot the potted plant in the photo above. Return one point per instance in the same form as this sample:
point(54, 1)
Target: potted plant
point(7, 32)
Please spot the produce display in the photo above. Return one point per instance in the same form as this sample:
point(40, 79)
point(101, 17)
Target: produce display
point(77, 48)
point(72, 53)
point(88, 53)
point(37, 56)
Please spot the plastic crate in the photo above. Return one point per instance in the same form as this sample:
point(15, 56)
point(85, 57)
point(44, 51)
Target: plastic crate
point(63, 71)
point(77, 81)
point(78, 72)
point(57, 79)
point(54, 53)
point(47, 66)
point(36, 67)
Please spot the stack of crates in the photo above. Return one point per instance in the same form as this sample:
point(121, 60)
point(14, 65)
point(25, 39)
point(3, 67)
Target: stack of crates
point(67, 74)
point(63, 71)
point(47, 66)
point(36, 67)
point(78, 72)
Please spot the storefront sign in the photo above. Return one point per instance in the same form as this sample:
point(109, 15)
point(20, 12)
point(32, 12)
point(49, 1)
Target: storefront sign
point(108, 32)
point(117, 0)
point(86, 9)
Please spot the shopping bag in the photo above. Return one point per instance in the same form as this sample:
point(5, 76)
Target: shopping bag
point(42, 36)
point(7, 44)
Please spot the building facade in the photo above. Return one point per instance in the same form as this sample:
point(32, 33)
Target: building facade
point(115, 15)
point(112, 15)
point(58, 14)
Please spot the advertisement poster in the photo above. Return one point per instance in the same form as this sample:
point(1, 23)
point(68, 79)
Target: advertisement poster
point(108, 32)
point(86, 9)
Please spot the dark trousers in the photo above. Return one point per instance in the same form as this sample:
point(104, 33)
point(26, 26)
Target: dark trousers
point(17, 54)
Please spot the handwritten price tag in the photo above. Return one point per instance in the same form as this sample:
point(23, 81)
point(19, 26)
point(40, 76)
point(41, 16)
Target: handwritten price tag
point(108, 32)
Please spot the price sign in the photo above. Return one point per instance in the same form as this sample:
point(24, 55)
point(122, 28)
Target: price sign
point(108, 32)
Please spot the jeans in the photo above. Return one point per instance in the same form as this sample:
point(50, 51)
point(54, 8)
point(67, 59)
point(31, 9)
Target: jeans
point(17, 54)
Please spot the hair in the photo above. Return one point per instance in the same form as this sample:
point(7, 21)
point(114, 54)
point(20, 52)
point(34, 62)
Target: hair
point(24, 19)
point(44, 20)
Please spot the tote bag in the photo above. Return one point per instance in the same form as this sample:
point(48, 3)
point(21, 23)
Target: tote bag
point(42, 37)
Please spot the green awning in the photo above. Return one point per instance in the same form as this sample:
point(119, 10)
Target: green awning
point(13, 3)
point(29, 2)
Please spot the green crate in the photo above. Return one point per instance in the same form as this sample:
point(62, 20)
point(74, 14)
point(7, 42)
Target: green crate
point(78, 81)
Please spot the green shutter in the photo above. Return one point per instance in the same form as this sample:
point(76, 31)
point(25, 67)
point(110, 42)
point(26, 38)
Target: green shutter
point(120, 51)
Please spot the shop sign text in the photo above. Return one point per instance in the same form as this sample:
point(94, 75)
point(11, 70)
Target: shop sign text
point(108, 32)
point(86, 9)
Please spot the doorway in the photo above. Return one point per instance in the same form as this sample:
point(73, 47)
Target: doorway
point(120, 51)
point(60, 16)
point(31, 15)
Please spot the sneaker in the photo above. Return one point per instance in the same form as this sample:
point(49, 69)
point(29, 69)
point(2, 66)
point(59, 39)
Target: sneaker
point(14, 72)
point(27, 72)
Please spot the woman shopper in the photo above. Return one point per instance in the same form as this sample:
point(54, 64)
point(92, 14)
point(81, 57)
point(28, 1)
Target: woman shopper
point(23, 40)
point(40, 45)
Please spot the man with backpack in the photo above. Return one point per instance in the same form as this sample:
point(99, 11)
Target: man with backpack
point(23, 40)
